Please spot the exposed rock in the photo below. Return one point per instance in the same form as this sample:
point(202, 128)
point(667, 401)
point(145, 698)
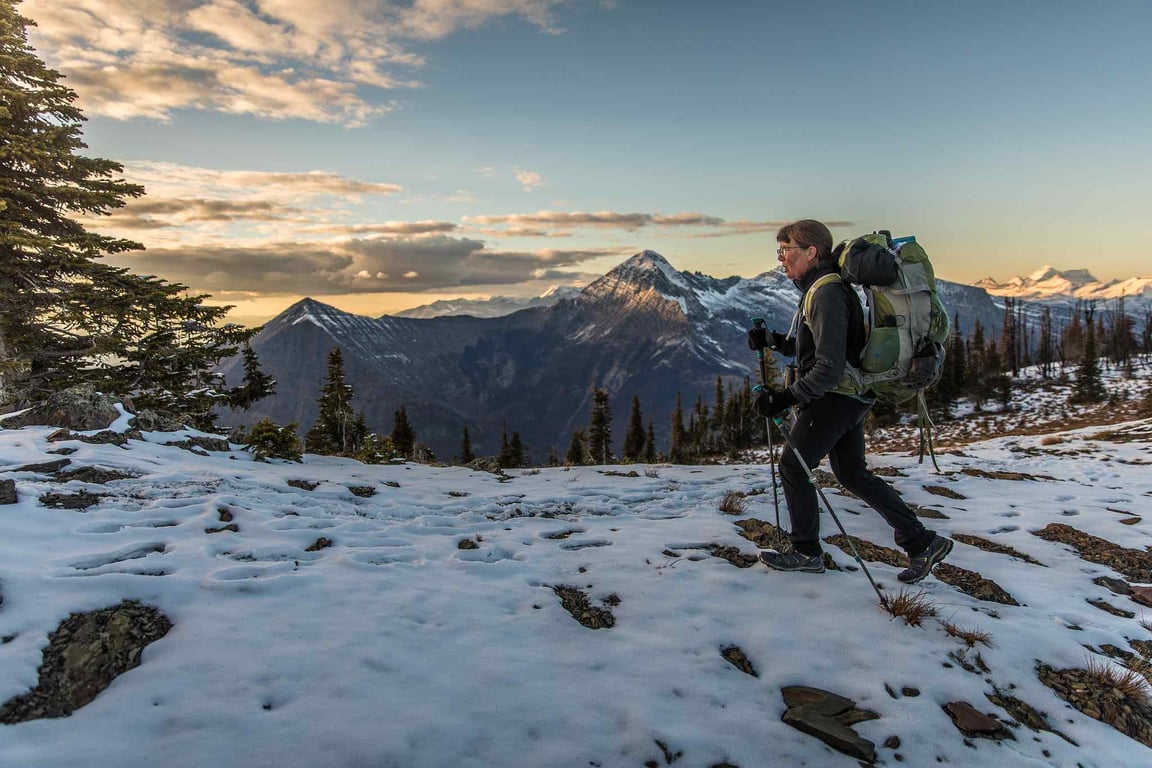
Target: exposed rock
point(972, 583)
point(84, 655)
point(79, 407)
point(1107, 607)
point(735, 656)
point(1135, 564)
point(1118, 586)
point(104, 437)
point(486, 464)
point(467, 544)
point(231, 528)
point(948, 493)
point(363, 491)
point(998, 475)
point(1098, 698)
point(734, 556)
point(576, 603)
point(8, 492)
point(1024, 713)
point(613, 473)
point(304, 485)
point(970, 722)
point(93, 475)
point(1142, 595)
point(203, 443)
point(79, 500)
point(928, 512)
point(47, 467)
point(828, 717)
point(764, 535)
point(992, 546)
point(149, 420)
point(321, 543)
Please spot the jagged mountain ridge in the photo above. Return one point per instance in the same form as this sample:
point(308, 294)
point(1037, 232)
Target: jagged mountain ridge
point(644, 329)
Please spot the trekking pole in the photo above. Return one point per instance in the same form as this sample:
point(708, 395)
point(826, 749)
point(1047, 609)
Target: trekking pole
point(759, 323)
point(779, 420)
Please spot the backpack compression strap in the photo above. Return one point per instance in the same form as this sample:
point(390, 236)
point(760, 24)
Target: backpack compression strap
point(806, 312)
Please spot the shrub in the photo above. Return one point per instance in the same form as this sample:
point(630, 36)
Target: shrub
point(912, 608)
point(269, 440)
point(733, 503)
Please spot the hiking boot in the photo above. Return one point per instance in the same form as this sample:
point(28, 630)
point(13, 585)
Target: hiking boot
point(793, 561)
point(921, 565)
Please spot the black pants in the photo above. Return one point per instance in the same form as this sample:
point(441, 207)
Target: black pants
point(833, 426)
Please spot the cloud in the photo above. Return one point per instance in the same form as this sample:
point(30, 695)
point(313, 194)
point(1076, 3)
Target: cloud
point(277, 59)
point(191, 205)
point(514, 225)
point(529, 180)
point(367, 265)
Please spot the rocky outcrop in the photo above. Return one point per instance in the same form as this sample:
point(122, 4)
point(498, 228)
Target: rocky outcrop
point(8, 492)
point(829, 717)
point(80, 408)
point(84, 655)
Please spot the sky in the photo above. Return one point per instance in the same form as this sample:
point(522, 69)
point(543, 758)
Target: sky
point(380, 155)
point(395, 647)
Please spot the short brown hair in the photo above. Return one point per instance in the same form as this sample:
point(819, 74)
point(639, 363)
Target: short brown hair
point(808, 232)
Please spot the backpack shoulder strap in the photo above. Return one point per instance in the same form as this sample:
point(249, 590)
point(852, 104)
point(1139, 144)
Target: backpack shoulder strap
point(806, 309)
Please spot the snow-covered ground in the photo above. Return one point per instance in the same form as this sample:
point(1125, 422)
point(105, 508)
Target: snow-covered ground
point(395, 647)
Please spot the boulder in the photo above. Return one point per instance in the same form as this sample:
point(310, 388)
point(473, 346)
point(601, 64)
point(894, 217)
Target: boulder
point(80, 407)
point(84, 655)
point(148, 420)
point(486, 464)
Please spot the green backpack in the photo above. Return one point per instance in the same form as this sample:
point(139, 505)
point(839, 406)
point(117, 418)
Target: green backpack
point(907, 325)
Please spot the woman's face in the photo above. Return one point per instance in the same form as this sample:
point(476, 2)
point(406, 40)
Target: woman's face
point(796, 259)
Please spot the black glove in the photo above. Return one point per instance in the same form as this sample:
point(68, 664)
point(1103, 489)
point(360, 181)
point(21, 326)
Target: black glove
point(762, 338)
point(771, 402)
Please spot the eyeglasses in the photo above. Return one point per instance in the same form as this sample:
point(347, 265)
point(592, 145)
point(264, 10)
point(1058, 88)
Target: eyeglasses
point(781, 249)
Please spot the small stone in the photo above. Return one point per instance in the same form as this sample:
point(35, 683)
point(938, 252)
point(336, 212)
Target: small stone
point(8, 492)
point(910, 692)
point(971, 722)
point(321, 543)
point(467, 544)
point(892, 742)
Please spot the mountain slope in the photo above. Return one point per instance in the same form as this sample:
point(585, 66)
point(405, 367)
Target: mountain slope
point(644, 329)
point(334, 628)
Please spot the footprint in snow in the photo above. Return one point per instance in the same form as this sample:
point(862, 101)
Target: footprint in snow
point(585, 544)
point(133, 552)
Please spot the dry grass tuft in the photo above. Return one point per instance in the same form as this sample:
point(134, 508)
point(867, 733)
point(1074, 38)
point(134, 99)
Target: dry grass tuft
point(733, 503)
point(1052, 440)
point(651, 472)
point(969, 637)
point(1127, 681)
point(912, 608)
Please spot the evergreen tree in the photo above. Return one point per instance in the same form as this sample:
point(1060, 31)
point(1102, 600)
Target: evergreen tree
point(677, 451)
point(650, 454)
point(257, 384)
point(1046, 349)
point(338, 430)
point(600, 429)
point(1089, 386)
point(403, 435)
point(466, 455)
point(65, 316)
point(516, 451)
point(578, 450)
point(634, 437)
point(977, 367)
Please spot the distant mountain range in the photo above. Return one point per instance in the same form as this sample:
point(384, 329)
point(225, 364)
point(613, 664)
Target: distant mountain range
point(497, 306)
point(644, 329)
point(1050, 285)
